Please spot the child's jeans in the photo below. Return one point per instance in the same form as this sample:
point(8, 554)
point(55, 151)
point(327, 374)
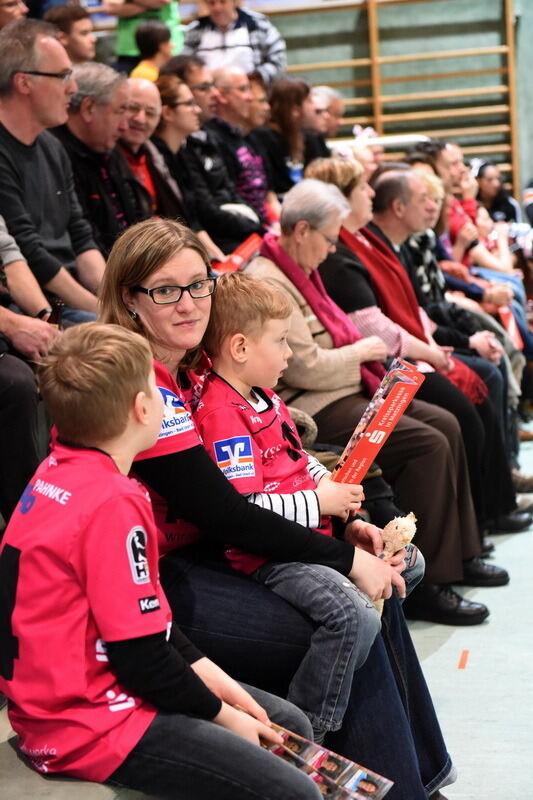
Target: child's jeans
point(347, 623)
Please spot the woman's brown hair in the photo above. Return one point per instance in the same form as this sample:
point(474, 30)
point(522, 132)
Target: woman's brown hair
point(284, 96)
point(169, 88)
point(139, 252)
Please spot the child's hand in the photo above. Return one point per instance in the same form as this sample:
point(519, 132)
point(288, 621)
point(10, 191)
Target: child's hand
point(228, 689)
point(338, 499)
point(243, 725)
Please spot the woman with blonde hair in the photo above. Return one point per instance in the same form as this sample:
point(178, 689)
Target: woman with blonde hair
point(157, 282)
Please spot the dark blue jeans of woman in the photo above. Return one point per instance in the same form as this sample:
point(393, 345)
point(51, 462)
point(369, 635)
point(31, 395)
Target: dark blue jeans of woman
point(390, 725)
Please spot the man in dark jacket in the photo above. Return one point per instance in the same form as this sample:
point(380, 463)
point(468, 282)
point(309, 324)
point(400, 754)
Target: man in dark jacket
point(245, 165)
point(98, 115)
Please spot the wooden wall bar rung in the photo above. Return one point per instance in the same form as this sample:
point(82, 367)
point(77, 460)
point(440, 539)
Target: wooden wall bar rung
point(358, 120)
point(436, 76)
point(481, 130)
point(348, 62)
point(358, 101)
point(487, 148)
point(472, 51)
point(349, 84)
point(443, 93)
point(403, 2)
point(468, 111)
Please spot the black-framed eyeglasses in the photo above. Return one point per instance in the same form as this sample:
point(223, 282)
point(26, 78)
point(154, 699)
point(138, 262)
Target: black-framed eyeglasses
point(161, 295)
point(329, 239)
point(64, 76)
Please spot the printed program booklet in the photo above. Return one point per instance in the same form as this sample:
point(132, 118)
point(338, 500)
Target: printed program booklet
point(396, 390)
point(335, 776)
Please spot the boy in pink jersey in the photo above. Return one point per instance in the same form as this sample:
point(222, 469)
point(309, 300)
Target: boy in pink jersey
point(249, 434)
point(100, 684)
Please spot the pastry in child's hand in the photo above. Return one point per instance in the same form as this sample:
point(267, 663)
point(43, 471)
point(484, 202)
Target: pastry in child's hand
point(397, 533)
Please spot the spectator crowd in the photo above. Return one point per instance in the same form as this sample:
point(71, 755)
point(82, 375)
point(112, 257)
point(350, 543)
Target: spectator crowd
point(126, 191)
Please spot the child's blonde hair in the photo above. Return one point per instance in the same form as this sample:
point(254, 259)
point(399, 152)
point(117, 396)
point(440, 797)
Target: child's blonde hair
point(242, 304)
point(90, 378)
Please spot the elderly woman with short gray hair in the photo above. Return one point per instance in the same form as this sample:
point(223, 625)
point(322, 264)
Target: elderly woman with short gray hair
point(333, 372)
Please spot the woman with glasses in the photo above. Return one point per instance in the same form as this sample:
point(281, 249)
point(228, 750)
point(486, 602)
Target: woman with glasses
point(199, 169)
point(157, 283)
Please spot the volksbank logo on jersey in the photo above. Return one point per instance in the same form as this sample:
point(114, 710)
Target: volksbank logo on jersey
point(136, 547)
point(176, 418)
point(234, 457)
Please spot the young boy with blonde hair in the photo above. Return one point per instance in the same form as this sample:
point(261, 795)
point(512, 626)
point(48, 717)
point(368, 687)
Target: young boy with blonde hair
point(248, 432)
point(101, 685)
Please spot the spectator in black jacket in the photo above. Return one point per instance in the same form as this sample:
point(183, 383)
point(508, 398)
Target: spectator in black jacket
point(158, 190)
point(245, 165)
point(196, 163)
point(98, 115)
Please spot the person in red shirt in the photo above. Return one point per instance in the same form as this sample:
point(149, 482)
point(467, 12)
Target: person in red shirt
point(249, 434)
point(100, 683)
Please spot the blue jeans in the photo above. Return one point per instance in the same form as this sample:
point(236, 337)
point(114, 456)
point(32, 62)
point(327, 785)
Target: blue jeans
point(188, 758)
point(516, 283)
point(390, 724)
point(75, 316)
point(347, 623)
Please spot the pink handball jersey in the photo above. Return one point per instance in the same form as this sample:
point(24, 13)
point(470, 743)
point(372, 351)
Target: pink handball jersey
point(256, 451)
point(178, 432)
point(78, 568)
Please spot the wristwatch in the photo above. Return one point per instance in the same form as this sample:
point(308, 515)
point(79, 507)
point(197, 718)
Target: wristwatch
point(43, 312)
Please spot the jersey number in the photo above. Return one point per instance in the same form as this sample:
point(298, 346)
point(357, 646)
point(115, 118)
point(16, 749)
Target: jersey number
point(9, 575)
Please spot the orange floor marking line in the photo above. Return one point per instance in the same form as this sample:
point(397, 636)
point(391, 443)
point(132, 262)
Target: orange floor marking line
point(463, 659)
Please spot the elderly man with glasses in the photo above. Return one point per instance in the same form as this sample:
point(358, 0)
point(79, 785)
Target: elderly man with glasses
point(99, 114)
point(37, 196)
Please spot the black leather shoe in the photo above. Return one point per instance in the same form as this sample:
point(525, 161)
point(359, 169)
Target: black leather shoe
point(477, 572)
point(443, 605)
point(514, 522)
point(487, 547)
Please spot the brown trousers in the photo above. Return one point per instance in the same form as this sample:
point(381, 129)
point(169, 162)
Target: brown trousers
point(425, 463)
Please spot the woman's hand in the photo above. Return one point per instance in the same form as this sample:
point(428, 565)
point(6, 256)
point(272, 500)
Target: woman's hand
point(500, 294)
point(243, 725)
point(227, 689)
point(364, 535)
point(338, 499)
point(374, 576)
point(440, 358)
point(372, 348)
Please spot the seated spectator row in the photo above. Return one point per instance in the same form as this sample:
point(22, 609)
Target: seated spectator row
point(135, 190)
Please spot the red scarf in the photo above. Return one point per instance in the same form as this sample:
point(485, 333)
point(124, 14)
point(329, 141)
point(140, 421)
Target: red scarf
point(335, 321)
point(398, 301)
